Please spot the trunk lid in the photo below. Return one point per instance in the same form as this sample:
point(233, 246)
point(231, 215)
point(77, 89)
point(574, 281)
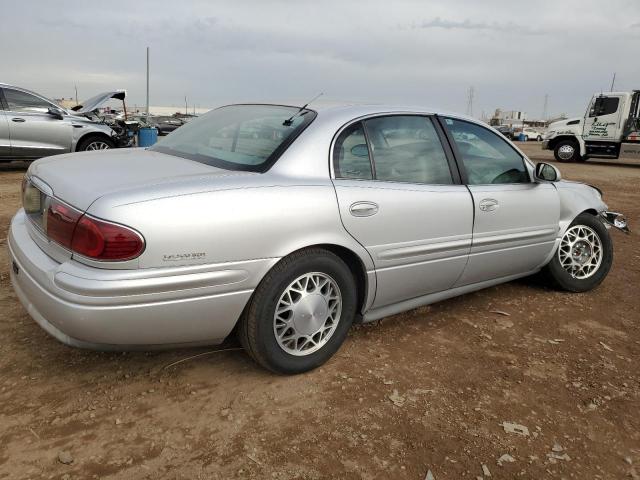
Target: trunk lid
point(79, 179)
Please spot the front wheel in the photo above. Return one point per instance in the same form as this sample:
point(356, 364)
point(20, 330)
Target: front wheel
point(567, 151)
point(94, 143)
point(584, 256)
point(300, 313)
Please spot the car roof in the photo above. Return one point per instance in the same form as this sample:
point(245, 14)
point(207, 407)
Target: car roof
point(344, 112)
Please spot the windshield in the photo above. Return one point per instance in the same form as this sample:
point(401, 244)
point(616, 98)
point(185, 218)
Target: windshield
point(238, 137)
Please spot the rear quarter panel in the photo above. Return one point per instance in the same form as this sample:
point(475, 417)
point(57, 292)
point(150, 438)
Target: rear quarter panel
point(264, 220)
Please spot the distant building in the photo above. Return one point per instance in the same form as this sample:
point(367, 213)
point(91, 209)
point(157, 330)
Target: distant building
point(515, 119)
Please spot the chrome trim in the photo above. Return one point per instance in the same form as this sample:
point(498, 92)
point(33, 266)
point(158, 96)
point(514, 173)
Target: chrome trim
point(40, 185)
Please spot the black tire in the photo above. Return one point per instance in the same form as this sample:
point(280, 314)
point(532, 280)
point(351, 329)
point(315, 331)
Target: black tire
point(562, 154)
point(256, 327)
point(562, 279)
point(539, 138)
point(87, 143)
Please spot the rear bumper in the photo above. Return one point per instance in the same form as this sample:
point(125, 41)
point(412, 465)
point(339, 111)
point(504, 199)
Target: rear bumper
point(129, 309)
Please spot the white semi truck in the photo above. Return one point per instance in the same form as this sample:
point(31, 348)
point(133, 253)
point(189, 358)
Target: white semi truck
point(610, 128)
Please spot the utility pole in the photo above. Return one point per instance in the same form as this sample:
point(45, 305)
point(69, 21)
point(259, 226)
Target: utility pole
point(186, 112)
point(470, 101)
point(613, 82)
point(546, 105)
point(76, 87)
point(147, 105)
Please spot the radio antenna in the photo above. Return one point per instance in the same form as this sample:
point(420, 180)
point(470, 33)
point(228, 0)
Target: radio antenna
point(289, 121)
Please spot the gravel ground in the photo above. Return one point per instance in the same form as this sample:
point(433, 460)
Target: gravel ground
point(430, 389)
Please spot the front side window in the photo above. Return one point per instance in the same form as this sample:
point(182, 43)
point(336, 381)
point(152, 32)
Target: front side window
point(238, 137)
point(604, 106)
point(351, 154)
point(486, 157)
point(25, 102)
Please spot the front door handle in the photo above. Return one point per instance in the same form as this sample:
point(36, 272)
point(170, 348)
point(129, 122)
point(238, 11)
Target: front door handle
point(363, 209)
point(488, 204)
point(18, 119)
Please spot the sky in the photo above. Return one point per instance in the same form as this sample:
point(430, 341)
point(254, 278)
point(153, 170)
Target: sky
point(426, 53)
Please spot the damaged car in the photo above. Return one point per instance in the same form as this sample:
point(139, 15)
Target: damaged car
point(32, 126)
point(285, 225)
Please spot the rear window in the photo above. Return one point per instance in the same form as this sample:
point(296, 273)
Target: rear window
point(238, 137)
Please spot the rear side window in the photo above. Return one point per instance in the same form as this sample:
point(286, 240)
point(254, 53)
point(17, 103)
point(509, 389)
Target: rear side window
point(406, 148)
point(25, 102)
point(486, 157)
point(351, 154)
point(604, 106)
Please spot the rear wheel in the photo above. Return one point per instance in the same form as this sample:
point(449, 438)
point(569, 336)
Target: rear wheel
point(567, 151)
point(300, 313)
point(539, 138)
point(584, 256)
point(94, 142)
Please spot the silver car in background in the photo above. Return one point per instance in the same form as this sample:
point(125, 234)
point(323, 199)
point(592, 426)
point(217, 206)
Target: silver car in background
point(289, 224)
point(32, 126)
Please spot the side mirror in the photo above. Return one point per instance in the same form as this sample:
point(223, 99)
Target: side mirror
point(55, 113)
point(360, 150)
point(547, 172)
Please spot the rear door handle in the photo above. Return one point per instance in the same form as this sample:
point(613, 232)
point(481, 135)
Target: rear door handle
point(18, 119)
point(363, 209)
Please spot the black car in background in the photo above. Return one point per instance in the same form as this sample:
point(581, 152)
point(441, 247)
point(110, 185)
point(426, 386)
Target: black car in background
point(506, 130)
point(165, 125)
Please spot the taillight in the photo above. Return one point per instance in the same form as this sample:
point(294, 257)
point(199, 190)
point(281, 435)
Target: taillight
point(88, 236)
point(60, 222)
point(102, 240)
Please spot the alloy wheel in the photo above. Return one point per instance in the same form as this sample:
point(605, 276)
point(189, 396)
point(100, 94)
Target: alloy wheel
point(307, 313)
point(98, 145)
point(580, 252)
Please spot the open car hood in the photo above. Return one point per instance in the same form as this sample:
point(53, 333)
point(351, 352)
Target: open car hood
point(94, 102)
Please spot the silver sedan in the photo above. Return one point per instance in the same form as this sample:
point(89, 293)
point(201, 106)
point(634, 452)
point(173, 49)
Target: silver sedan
point(288, 225)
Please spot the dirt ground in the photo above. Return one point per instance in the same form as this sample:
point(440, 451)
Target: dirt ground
point(426, 390)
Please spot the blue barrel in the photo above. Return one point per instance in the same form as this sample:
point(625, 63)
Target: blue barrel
point(522, 137)
point(147, 136)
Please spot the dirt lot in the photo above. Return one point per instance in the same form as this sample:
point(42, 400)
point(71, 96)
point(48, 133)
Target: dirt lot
point(427, 390)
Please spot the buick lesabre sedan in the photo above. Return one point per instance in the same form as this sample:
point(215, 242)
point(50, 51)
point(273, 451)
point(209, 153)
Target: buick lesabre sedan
point(286, 225)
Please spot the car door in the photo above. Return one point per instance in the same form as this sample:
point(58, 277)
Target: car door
point(603, 119)
point(399, 195)
point(5, 138)
point(34, 132)
point(515, 219)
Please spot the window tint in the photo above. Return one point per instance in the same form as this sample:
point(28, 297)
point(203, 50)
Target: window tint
point(351, 154)
point(487, 158)
point(237, 137)
point(604, 106)
point(25, 102)
point(407, 149)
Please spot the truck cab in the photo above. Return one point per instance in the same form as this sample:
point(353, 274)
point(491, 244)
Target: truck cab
point(609, 128)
